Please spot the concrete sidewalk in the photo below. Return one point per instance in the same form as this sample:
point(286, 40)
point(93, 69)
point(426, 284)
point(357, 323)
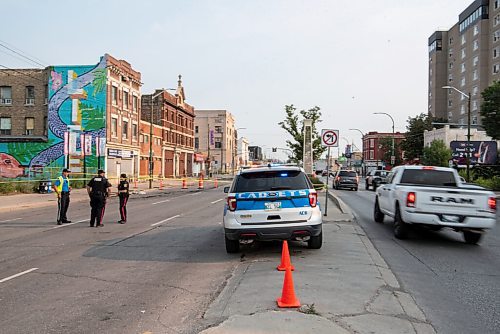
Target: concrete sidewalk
point(345, 287)
point(16, 202)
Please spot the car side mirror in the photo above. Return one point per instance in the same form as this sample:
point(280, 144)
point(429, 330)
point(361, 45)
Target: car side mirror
point(226, 190)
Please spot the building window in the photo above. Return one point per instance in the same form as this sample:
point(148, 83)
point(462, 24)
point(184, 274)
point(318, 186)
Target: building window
point(114, 95)
point(450, 53)
point(125, 130)
point(475, 45)
point(197, 143)
point(496, 35)
point(114, 125)
point(30, 96)
point(462, 109)
point(45, 132)
point(463, 39)
point(135, 101)
point(496, 68)
point(496, 4)
point(450, 42)
point(5, 126)
point(462, 67)
point(474, 105)
point(29, 126)
point(218, 129)
point(196, 129)
point(372, 143)
point(46, 94)
point(450, 65)
point(6, 95)
point(125, 100)
point(450, 103)
point(146, 138)
point(476, 30)
point(474, 120)
point(218, 143)
point(450, 78)
point(372, 156)
point(134, 131)
point(463, 53)
point(462, 82)
point(475, 61)
point(474, 90)
point(475, 76)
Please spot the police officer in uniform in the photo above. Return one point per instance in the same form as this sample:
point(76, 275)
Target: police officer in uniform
point(62, 189)
point(98, 189)
point(123, 194)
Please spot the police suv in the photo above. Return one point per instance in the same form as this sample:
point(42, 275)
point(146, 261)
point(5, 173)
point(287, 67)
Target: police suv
point(272, 203)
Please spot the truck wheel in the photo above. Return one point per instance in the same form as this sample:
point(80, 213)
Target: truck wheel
point(400, 227)
point(471, 237)
point(315, 242)
point(232, 246)
point(378, 216)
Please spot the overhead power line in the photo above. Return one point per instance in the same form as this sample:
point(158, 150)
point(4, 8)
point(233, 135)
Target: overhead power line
point(3, 44)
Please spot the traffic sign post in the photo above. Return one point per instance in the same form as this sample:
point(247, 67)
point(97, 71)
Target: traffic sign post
point(329, 138)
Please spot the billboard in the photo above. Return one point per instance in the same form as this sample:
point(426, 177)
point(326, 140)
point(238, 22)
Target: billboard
point(481, 152)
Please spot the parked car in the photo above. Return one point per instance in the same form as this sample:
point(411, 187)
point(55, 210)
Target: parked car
point(346, 179)
point(434, 197)
point(375, 178)
point(272, 203)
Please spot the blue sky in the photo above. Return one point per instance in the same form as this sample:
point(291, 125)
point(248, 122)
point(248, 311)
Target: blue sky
point(351, 58)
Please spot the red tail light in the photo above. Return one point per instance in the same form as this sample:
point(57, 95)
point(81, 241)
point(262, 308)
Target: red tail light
point(411, 198)
point(492, 203)
point(231, 203)
point(313, 199)
point(337, 178)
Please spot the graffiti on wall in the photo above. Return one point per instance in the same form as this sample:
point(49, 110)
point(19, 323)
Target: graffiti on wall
point(76, 120)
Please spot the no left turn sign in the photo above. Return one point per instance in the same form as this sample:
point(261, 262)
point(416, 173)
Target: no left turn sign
point(329, 138)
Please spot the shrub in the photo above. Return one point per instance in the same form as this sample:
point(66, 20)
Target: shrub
point(7, 187)
point(490, 183)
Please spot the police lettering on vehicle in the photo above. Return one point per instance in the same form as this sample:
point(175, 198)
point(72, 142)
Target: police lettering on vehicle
point(286, 193)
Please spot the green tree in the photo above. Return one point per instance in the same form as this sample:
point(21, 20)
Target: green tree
point(490, 110)
point(413, 143)
point(386, 146)
point(437, 154)
point(293, 125)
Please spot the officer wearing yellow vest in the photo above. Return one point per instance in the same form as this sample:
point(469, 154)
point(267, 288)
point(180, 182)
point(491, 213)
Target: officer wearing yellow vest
point(62, 189)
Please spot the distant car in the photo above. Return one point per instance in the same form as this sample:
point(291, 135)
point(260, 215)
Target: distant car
point(375, 178)
point(346, 179)
point(272, 203)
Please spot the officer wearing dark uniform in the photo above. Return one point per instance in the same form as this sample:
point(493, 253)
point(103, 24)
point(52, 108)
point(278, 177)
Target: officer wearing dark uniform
point(98, 189)
point(123, 195)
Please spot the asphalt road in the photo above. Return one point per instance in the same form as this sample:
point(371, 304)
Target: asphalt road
point(156, 273)
point(457, 285)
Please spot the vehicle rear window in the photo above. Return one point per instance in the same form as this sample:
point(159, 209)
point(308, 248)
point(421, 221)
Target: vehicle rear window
point(429, 177)
point(271, 180)
point(347, 173)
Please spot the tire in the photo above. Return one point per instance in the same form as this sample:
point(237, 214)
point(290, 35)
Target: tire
point(232, 246)
point(400, 227)
point(378, 216)
point(367, 186)
point(471, 237)
point(374, 186)
point(315, 242)
point(355, 189)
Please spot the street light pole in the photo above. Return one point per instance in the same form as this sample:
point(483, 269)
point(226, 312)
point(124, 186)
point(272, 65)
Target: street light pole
point(392, 119)
point(467, 96)
point(362, 150)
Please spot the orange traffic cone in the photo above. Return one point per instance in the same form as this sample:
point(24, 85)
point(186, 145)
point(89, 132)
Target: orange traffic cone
point(184, 184)
point(285, 258)
point(216, 184)
point(200, 183)
point(288, 298)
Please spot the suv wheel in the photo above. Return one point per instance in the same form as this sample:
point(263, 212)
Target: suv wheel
point(315, 242)
point(472, 237)
point(232, 246)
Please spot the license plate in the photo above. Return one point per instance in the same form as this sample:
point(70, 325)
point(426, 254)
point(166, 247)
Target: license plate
point(451, 219)
point(272, 205)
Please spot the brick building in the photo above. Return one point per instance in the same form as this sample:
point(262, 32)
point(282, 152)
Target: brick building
point(375, 155)
point(123, 105)
point(173, 133)
point(23, 104)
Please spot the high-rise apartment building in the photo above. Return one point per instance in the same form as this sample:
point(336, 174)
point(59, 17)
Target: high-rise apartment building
point(466, 57)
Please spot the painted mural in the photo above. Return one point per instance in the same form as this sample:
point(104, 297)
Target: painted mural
point(76, 127)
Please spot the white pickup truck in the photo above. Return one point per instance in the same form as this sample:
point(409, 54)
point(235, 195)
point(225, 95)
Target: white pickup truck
point(434, 197)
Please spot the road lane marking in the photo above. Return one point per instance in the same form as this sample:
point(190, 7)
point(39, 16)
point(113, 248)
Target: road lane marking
point(166, 200)
point(217, 201)
point(9, 220)
point(17, 275)
point(165, 220)
point(64, 225)
point(194, 194)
